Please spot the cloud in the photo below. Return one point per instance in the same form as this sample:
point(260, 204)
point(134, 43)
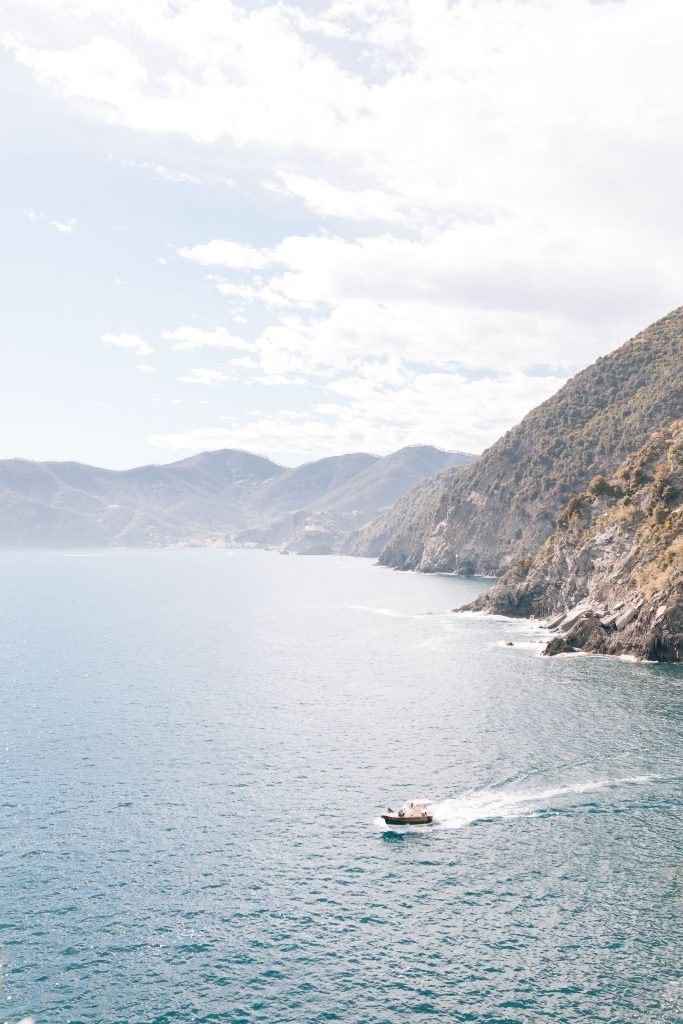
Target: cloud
point(463, 413)
point(188, 338)
point(329, 200)
point(382, 410)
point(510, 179)
point(66, 227)
point(128, 341)
point(145, 368)
point(213, 72)
point(205, 375)
point(163, 173)
point(452, 296)
point(223, 253)
point(101, 70)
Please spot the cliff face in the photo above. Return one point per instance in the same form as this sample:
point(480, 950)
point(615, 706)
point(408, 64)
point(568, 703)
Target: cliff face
point(415, 506)
point(505, 505)
point(610, 578)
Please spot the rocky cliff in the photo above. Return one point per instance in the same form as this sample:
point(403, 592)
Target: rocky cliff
point(505, 505)
point(610, 578)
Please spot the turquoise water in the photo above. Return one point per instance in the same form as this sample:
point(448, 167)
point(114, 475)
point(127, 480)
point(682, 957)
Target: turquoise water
point(195, 746)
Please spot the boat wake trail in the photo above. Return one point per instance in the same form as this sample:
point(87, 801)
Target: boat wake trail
point(499, 803)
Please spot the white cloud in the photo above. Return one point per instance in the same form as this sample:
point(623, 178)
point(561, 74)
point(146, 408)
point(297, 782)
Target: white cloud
point(66, 227)
point(228, 254)
point(380, 417)
point(164, 173)
point(188, 338)
point(205, 375)
point(462, 413)
point(452, 296)
point(245, 292)
point(503, 170)
point(145, 368)
point(354, 204)
point(180, 177)
point(128, 341)
point(215, 71)
point(100, 70)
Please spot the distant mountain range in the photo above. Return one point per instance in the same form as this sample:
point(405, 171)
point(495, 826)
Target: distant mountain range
point(216, 498)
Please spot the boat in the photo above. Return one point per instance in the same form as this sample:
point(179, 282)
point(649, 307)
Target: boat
point(413, 813)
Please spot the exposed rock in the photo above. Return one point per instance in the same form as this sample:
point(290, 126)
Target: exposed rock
point(611, 577)
point(558, 645)
point(575, 615)
point(628, 616)
point(586, 633)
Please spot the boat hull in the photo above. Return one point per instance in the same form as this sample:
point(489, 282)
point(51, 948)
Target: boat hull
point(394, 819)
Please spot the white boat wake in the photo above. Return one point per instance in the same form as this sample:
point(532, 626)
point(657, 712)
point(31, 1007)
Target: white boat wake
point(492, 804)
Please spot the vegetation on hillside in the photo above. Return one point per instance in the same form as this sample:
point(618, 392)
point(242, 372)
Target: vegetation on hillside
point(506, 504)
point(417, 505)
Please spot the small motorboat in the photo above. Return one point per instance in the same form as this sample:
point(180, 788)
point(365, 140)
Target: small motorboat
point(414, 813)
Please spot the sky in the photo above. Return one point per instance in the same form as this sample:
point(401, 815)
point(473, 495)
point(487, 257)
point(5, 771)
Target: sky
point(309, 228)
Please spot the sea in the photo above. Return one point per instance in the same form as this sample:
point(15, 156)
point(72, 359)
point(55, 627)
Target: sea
point(195, 750)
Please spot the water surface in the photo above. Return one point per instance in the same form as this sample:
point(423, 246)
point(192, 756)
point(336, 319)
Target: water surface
point(196, 746)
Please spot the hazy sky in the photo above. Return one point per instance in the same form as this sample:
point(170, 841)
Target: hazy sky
point(308, 228)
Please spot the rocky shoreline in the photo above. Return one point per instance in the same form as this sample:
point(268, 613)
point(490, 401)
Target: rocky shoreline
point(610, 579)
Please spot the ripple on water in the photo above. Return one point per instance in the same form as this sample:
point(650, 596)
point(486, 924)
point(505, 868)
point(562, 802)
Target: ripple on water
point(197, 750)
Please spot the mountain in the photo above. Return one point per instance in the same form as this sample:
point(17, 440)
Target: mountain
point(212, 498)
point(319, 524)
point(62, 504)
point(384, 482)
point(505, 505)
point(611, 576)
point(415, 507)
point(309, 485)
